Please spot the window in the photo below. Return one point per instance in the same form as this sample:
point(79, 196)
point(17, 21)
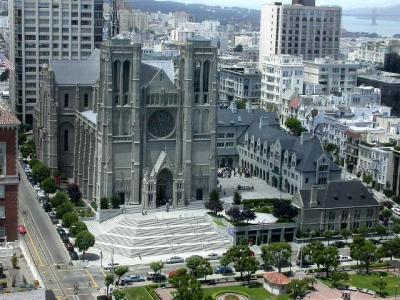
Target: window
point(230, 135)
point(2, 212)
point(322, 180)
point(221, 135)
point(306, 179)
point(3, 157)
point(66, 135)
point(66, 100)
point(220, 145)
point(86, 100)
point(2, 191)
point(370, 213)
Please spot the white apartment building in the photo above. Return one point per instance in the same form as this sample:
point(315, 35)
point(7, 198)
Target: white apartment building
point(376, 161)
point(375, 52)
point(326, 76)
point(45, 30)
point(279, 74)
point(182, 34)
point(310, 31)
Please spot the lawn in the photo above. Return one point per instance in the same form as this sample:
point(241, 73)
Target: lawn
point(252, 293)
point(366, 281)
point(139, 293)
point(219, 223)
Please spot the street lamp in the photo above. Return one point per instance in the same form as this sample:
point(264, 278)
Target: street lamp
point(395, 293)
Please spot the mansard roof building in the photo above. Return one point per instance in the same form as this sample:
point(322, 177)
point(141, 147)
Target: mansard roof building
point(283, 160)
point(118, 125)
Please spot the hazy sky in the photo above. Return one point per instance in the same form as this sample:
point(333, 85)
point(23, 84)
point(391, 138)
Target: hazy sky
point(258, 3)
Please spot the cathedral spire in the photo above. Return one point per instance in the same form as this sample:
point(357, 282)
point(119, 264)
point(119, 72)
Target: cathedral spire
point(113, 25)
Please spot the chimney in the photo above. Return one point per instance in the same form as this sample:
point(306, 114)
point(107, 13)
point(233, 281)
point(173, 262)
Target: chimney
point(233, 107)
point(305, 136)
point(264, 122)
point(249, 106)
point(313, 197)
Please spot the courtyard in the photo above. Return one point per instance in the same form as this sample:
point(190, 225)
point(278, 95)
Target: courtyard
point(261, 190)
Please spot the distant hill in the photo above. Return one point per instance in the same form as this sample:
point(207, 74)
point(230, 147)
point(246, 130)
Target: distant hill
point(201, 12)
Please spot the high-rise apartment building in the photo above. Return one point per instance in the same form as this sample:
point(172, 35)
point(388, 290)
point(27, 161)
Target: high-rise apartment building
point(47, 30)
point(300, 29)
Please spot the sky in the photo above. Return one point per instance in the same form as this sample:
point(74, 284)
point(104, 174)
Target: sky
point(257, 3)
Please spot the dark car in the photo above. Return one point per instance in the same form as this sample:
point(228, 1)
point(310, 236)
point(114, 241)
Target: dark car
point(73, 255)
point(339, 244)
point(69, 246)
point(46, 206)
point(223, 270)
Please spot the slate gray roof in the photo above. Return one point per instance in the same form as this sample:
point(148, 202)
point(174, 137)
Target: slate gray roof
point(71, 72)
point(341, 194)
point(147, 73)
point(243, 117)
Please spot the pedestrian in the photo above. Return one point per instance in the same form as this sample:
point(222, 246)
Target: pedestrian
point(140, 257)
point(89, 284)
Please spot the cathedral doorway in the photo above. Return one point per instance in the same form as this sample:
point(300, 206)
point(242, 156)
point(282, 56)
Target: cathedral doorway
point(164, 187)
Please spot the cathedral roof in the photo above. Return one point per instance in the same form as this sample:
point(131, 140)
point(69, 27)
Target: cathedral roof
point(72, 72)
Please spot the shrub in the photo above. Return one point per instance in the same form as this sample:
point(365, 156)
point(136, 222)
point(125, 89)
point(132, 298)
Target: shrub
point(115, 202)
point(93, 204)
point(49, 185)
point(74, 192)
point(77, 227)
point(40, 172)
point(64, 208)
point(34, 162)
point(69, 218)
point(58, 199)
point(104, 204)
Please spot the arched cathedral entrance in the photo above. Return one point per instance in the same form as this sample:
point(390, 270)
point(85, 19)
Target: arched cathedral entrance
point(164, 187)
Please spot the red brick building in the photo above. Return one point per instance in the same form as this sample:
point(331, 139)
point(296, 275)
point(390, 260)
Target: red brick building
point(8, 176)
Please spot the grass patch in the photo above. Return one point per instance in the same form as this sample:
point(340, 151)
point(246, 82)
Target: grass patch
point(251, 293)
point(138, 293)
point(366, 282)
point(219, 223)
point(264, 210)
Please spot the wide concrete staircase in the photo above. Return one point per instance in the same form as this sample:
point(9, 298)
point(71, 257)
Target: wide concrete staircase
point(133, 237)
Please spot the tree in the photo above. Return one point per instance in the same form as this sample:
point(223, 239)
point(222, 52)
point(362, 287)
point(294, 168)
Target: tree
point(294, 126)
point(235, 214)
point(338, 277)
point(381, 230)
point(119, 294)
point(49, 185)
point(64, 208)
point(115, 202)
point(331, 148)
point(388, 193)
point(69, 218)
point(77, 227)
point(40, 172)
point(214, 204)
point(187, 287)
point(367, 178)
point(238, 48)
point(157, 266)
point(329, 235)
point(368, 254)
point(34, 162)
point(313, 251)
point(396, 228)
point(241, 104)
point(28, 150)
point(74, 192)
point(277, 254)
point(328, 258)
point(386, 214)
point(363, 230)
point(299, 287)
point(104, 204)
point(346, 233)
point(248, 215)
point(238, 255)
point(120, 271)
point(108, 280)
point(390, 248)
point(250, 266)
point(224, 261)
point(283, 209)
point(84, 240)
point(380, 284)
point(58, 199)
point(204, 269)
point(237, 198)
point(355, 247)
point(192, 264)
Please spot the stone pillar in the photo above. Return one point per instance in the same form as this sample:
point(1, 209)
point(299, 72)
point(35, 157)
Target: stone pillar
point(91, 164)
point(86, 152)
point(76, 150)
point(81, 155)
point(136, 125)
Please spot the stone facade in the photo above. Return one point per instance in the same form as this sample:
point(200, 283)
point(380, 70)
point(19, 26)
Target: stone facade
point(132, 130)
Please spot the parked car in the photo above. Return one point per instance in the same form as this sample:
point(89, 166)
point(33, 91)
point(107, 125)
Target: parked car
point(111, 266)
point(213, 256)
point(396, 210)
point(344, 258)
point(339, 244)
point(73, 255)
point(156, 277)
point(46, 206)
point(132, 278)
point(37, 188)
point(223, 270)
point(69, 246)
point(175, 260)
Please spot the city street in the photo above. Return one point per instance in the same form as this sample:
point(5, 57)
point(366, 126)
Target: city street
point(49, 253)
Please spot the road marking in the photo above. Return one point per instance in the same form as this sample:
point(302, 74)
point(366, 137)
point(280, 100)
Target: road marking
point(92, 279)
point(104, 274)
point(35, 249)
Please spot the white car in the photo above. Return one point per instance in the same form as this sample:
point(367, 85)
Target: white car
point(36, 187)
point(396, 210)
point(175, 260)
point(344, 258)
point(213, 256)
